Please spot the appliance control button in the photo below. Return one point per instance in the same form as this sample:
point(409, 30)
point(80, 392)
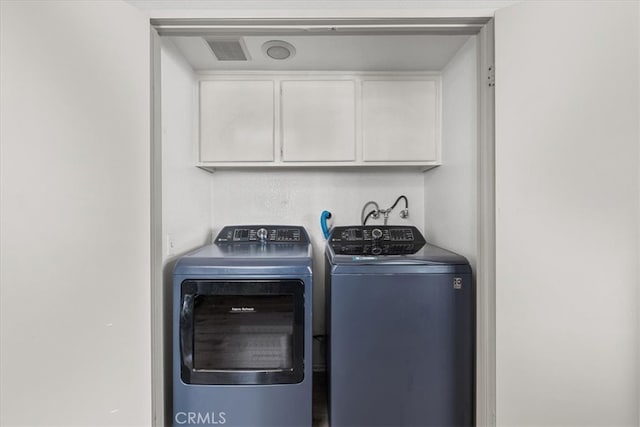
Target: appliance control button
point(262, 234)
point(376, 233)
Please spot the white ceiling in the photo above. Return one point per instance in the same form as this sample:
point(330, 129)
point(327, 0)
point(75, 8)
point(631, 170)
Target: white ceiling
point(332, 53)
point(154, 5)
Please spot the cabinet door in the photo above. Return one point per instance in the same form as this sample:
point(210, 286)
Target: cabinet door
point(318, 121)
point(236, 121)
point(75, 324)
point(400, 120)
point(566, 86)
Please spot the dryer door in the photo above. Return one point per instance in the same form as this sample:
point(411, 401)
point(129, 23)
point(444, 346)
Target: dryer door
point(242, 332)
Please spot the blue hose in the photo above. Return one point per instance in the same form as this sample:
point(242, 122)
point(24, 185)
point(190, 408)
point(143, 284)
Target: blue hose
point(323, 223)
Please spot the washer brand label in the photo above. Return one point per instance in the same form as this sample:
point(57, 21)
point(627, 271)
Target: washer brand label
point(210, 418)
point(242, 309)
point(457, 283)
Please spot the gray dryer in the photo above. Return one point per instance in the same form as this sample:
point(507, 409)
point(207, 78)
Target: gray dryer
point(242, 329)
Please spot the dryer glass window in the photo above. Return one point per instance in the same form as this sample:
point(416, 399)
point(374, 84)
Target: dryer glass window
point(243, 332)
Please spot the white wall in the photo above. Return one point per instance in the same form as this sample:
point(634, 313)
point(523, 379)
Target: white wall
point(74, 214)
point(567, 213)
point(450, 190)
point(186, 197)
point(298, 197)
point(186, 190)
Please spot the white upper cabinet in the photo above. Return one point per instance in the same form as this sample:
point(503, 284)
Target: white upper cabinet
point(318, 121)
point(400, 120)
point(236, 121)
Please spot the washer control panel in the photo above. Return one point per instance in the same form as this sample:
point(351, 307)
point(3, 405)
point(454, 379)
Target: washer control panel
point(263, 234)
point(376, 240)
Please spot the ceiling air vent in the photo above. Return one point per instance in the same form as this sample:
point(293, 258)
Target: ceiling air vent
point(228, 49)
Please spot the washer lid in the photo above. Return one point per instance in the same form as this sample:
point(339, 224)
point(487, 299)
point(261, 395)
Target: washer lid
point(428, 254)
point(428, 259)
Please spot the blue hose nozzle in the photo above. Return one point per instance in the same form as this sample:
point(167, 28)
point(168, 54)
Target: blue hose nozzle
point(324, 216)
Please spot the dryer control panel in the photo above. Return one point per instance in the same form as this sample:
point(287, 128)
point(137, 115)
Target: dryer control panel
point(376, 240)
point(263, 234)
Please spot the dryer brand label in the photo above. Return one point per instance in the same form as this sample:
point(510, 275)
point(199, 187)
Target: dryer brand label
point(242, 309)
point(457, 283)
point(202, 418)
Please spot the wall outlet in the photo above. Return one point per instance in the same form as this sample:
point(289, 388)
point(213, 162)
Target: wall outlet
point(170, 244)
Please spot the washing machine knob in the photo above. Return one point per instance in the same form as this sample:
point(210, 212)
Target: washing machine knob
point(262, 234)
point(376, 233)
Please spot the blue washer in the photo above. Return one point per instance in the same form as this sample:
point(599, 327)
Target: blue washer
point(400, 330)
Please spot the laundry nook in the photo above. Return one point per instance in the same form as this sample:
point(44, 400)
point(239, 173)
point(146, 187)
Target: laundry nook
point(313, 213)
